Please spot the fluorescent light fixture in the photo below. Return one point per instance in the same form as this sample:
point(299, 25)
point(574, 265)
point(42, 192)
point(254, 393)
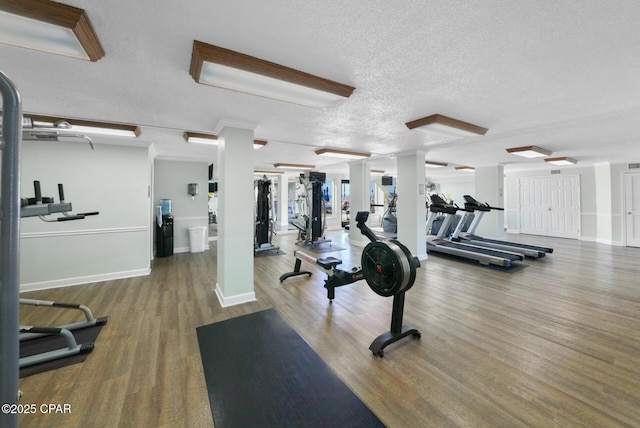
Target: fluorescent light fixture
point(431, 164)
point(443, 126)
point(63, 126)
point(267, 172)
point(465, 168)
point(201, 138)
point(561, 161)
point(51, 27)
point(227, 69)
point(342, 154)
point(292, 166)
point(258, 144)
point(529, 151)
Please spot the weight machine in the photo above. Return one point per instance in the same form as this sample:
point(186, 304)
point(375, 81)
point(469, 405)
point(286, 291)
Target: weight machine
point(311, 228)
point(389, 269)
point(12, 208)
point(43, 208)
point(264, 230)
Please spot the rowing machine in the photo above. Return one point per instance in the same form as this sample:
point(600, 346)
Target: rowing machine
point(336, 277)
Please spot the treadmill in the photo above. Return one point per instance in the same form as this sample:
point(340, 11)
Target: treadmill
point(470, 236)
point(440, 243)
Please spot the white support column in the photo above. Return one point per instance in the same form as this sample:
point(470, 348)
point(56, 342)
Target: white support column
point(359, 179)
point(283, 202)
point(604, 219)
point(411, 211)
point(490, 188)
point(235, 219)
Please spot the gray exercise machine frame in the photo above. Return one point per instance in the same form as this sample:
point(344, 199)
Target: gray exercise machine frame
point(10, 244)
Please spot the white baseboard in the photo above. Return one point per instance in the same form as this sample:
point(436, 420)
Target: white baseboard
point(67, 282)
point(187, 249)
point(234, 300)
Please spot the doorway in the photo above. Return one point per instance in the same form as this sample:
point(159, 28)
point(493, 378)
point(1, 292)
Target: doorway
point(632, 208)
point(550, 206)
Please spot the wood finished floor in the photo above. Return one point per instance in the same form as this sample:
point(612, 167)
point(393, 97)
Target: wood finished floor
point(555, 343)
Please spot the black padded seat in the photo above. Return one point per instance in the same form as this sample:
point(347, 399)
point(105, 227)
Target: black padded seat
point(329, 262)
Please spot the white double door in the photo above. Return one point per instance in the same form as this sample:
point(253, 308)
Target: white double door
point(632, 208)
point(550, 206)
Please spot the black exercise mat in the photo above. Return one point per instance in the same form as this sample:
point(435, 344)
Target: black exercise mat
point(261, 373)
point(49, 343)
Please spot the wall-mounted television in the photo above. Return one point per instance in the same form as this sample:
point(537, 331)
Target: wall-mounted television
point(387, 180)
point(213, 187)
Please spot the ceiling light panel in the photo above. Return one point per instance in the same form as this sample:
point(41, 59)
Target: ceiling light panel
point(465, 168)
point(224, 68)
point(51, 27)
point(293, 166)
point(443, 126)
point(266, 172)
point(200, 138)
point(561, 161)
point(342, 154)
point(430, 164)
point(80, 126)
point(529, 151)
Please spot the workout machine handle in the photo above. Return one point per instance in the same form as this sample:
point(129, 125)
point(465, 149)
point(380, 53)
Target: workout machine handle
point(38, 192)
point(61, 192)
point(361, 218)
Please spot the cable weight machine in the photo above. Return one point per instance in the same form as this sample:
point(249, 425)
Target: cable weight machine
point(264, 230)
point(311, 228)
point(389, 269)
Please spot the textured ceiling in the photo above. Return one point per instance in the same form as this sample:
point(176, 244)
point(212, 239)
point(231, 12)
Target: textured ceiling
point(561, 75)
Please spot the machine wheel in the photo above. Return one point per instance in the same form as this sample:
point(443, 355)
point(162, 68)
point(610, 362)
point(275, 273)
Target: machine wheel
point(386, 268)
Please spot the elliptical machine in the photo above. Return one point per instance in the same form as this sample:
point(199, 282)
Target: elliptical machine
point(389, 219)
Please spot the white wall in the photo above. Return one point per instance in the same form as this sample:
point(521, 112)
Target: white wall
point(170, 182)
point(600, 200)
point(113, 180)
point(455, 188)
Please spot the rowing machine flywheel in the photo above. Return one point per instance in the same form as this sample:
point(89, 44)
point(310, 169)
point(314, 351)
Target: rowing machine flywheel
point(389, 268)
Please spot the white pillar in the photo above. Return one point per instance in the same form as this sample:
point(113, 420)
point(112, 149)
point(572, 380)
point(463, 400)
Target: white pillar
point(490, 189)
point(235, 219)
point(283, 202)
point(411, 211)
point(604, 219)
point(359, 184)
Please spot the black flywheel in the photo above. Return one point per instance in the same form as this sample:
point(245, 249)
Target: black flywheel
point(388, 267)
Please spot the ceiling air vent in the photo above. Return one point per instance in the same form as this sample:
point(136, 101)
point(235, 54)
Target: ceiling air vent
point(555, 171)
point(634, 165)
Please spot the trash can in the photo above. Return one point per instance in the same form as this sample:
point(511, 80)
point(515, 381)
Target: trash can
point(196, 239)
